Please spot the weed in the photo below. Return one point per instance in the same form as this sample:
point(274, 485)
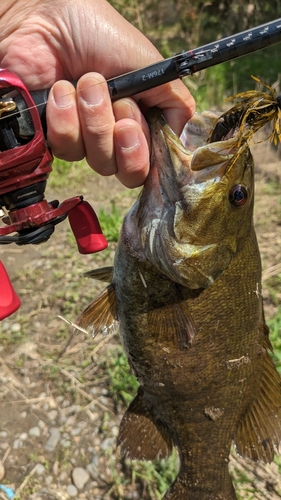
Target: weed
point(274, 325)
point(122, 383)
point(111, 222)
point(154, 477)
point(66, 174)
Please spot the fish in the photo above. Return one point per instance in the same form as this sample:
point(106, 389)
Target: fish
point(186, 291)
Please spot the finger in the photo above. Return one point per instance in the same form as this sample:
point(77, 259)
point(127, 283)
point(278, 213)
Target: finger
point(127, 108)
point(131, 153)
point(97, 123)
point(64, 132)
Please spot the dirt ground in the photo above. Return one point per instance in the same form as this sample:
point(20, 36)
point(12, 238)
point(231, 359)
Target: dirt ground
point(44, 368)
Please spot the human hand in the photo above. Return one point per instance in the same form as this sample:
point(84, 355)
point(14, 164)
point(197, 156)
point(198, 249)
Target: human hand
point(48, 41)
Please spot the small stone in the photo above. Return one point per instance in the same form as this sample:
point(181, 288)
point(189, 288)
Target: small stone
point(82, 425)
point(52, 404)
point(92, 471)
point(53, 439)
point(41, 424)
point(23, 436)
point(66, 443)
point(107, 443)
point(34, 432)
point(63, 476)
point(26, 380)
point(115, 431)
point(17, 444)
point(103, 400)
point(95, 460)
point(94, 391)
point(80, 477)
point(23, 414)
point(4, 446)
point(52, 415)
point(75, 431)
point(56, 468)
point(40, 469)
point(16, 327)
point(49, 480)
point(71, 420)
point(3, 434)
point(72, 490)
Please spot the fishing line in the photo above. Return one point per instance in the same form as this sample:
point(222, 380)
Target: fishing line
point(43, 103)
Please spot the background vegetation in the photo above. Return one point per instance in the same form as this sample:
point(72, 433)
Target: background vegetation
point(175, 25)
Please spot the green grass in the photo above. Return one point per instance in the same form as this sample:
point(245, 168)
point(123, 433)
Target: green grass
point(275, 336)
point(155, 477)
point(68, 174)
point(122, 383)
point(110, 222)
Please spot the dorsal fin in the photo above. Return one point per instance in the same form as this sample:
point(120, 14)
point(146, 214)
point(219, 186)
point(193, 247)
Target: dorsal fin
point(173, 323)
point(101, 314)
point(259, 432)
point(101, 274)
point(141, 437)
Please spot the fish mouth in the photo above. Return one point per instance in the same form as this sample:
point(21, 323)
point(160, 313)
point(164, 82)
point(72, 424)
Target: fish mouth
point(226, 126)
point(205, 151)
point(229, 124)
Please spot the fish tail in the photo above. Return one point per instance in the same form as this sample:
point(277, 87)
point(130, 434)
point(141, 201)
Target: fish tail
point(180, 491)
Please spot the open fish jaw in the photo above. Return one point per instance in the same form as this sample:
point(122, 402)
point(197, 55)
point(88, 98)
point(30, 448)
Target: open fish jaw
point(183, 232)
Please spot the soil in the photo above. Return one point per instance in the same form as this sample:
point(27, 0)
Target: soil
point(53, 379)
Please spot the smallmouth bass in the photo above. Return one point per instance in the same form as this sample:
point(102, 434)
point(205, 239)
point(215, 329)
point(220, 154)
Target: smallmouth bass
point(186, 290)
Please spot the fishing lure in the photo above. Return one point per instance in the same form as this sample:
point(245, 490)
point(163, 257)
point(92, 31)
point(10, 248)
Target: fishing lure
point(254, 110)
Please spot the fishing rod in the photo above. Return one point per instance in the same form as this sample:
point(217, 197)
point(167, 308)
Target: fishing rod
point(185, 63)
point(26, 160)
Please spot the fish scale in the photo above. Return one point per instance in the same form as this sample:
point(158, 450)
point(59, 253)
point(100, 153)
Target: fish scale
point(186, 291)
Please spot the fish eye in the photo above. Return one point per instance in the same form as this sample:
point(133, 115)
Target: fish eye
point(238, 195)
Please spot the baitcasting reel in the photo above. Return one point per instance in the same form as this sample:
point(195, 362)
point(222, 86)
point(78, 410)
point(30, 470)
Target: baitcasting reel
point(25, 164)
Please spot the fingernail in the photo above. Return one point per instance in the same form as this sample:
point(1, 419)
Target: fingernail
point(63, 94)
point(92, 94)
point(127, 138)
point(123, 109)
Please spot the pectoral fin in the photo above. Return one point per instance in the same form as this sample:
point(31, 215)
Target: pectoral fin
point(174, 323)
point(101, 274)
point(259, 433)
point(101, 314)
point(141, 437)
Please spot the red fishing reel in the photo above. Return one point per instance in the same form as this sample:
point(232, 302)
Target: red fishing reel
point(25, 164)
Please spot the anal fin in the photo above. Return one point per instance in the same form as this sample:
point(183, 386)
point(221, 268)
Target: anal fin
point(259, 432)
point(101, 314)
point(141, 437)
